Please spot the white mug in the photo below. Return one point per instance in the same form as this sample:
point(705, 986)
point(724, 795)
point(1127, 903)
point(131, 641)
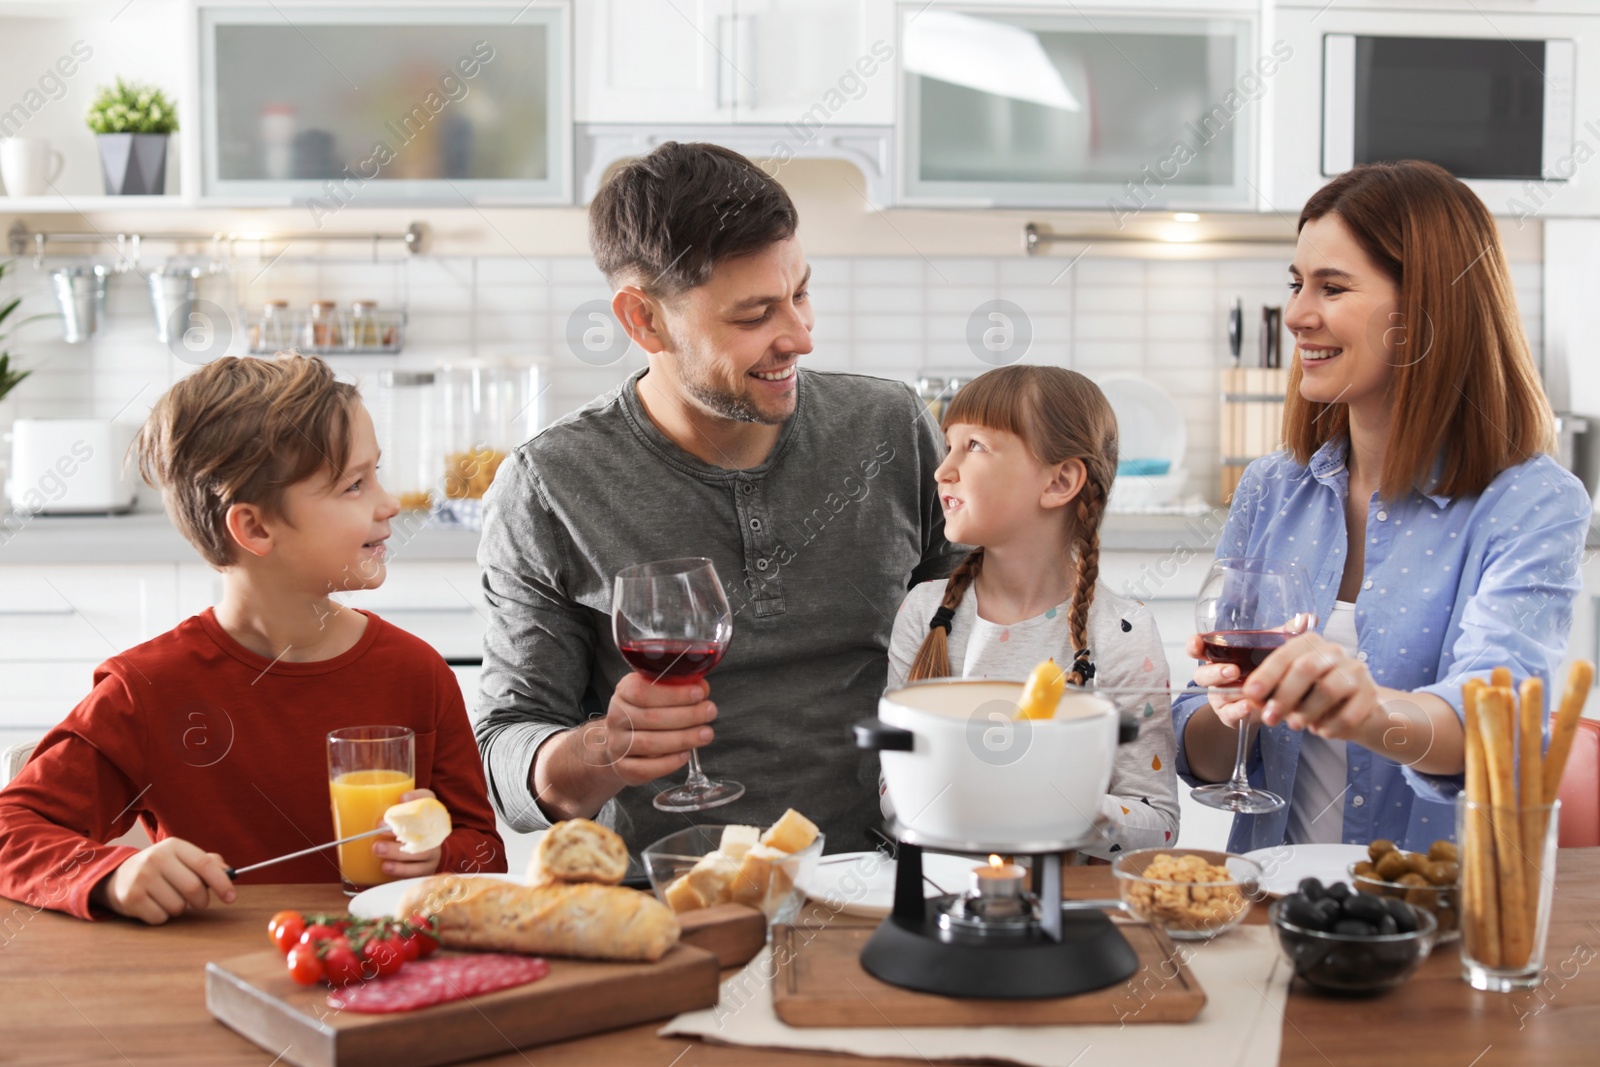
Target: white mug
point(28, 165)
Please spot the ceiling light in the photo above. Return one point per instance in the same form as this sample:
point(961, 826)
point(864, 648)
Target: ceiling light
point(1185, 216)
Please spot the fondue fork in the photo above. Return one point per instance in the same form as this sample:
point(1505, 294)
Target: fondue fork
point(234, 872)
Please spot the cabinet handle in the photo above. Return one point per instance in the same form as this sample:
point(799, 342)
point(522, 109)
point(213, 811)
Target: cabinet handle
point(721, 59)
point(752, 63)
point(28, 613)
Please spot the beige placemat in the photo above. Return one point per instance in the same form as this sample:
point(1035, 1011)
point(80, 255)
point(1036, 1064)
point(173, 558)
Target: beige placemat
point(1245, 979)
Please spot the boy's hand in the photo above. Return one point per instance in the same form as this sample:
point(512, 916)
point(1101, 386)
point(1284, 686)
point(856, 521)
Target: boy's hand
point(402, 864)
point(163, 881)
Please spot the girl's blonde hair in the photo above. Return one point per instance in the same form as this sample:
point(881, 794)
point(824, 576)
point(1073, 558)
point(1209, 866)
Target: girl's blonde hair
point(1060, 415)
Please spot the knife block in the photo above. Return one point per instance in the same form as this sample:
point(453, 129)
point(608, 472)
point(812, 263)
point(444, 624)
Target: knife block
point(1252, 419)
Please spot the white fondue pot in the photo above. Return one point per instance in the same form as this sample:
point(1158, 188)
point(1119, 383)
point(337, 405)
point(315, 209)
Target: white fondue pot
point(961, 767)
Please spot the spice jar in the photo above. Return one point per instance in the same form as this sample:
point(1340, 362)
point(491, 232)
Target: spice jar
point(364, 331)
point(322, 329)
point(274, 332)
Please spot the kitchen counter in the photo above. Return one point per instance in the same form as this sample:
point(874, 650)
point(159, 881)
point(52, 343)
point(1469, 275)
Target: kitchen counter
point(149, 537)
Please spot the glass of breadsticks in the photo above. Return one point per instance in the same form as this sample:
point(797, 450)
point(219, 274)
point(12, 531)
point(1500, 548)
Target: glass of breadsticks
point(1506, 823)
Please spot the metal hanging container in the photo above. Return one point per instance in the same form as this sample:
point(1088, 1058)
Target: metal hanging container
point(172, 296)
point(81, 292)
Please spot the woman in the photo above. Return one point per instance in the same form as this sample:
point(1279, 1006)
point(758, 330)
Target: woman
point(1417, 491)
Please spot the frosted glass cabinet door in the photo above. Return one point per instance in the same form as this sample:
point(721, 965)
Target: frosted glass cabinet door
point(1055, 110)
point(333, 105)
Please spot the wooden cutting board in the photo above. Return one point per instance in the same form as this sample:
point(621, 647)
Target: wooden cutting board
point(820, 982)
point(254, 996)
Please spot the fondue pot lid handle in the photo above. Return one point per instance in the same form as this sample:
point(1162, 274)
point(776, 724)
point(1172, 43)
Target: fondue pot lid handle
point(880, 736)
point(1127, 729)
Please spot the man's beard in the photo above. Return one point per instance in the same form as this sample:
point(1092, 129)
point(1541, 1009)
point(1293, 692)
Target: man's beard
point(726, 405)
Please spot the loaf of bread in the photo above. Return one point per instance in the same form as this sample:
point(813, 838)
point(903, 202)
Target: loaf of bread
point(597, 922)
point(578, 850)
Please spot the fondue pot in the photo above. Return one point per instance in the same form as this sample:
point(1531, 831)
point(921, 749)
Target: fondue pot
point(962, 768)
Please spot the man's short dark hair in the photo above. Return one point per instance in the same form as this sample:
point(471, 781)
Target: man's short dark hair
point(665, 221)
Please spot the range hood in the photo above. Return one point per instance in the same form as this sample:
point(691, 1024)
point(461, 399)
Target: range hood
point(596, 146)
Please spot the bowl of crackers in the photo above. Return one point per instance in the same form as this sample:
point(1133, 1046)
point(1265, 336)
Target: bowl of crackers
point(1192, 894)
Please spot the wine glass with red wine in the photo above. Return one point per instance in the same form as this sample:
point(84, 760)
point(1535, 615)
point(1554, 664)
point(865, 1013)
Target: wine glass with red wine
point(672, 624)
point(1247, 609)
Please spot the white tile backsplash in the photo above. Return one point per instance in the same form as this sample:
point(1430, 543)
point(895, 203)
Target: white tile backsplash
point(897, 316)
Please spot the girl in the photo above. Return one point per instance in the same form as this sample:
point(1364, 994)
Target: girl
point(1033, 451)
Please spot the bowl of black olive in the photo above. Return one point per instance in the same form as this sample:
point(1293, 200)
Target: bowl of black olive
point(1343, 941)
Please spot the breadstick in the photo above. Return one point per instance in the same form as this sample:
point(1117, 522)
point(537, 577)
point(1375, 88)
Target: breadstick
point(1530, 793)
point(1565, 726)
point(1499, 740)
point(1480, 912)
point(1501, 678)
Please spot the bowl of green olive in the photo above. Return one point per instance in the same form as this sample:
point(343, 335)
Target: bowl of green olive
point(1429, 881)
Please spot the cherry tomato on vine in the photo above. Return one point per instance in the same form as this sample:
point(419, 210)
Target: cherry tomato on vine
point(385, 954)
point(427, 943)
point(316, 933)
point(285, 929)
point(339, 963)
point(304, 967)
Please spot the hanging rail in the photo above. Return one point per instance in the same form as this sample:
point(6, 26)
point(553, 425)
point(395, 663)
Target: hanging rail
point(21, 237)
point(1035, 237)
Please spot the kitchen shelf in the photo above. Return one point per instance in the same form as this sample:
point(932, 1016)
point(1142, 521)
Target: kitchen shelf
point(74, 205)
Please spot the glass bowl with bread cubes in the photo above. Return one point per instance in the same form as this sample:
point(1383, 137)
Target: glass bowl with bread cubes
point(703, 866)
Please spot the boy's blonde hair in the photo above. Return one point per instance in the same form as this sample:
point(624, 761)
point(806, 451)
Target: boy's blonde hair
point(241, 431)
point(1060, 415)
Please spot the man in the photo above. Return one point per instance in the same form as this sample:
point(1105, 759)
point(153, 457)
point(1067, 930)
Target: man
point(812, 494)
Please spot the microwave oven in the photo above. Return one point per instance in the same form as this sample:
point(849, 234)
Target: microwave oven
point(1480, 107)
point(1504, 94)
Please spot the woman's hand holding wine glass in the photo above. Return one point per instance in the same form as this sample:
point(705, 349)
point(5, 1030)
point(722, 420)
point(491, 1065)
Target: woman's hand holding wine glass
point(1248, 611)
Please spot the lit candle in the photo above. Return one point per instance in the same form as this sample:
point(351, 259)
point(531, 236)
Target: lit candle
point(998, 878)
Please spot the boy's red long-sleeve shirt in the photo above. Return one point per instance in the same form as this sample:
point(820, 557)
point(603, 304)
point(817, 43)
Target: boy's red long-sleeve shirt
point(197, 737)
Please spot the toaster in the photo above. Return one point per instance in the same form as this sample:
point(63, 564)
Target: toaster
point(70, 467)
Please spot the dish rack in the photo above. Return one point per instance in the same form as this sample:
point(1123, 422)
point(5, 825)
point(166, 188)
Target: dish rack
point(338, 333)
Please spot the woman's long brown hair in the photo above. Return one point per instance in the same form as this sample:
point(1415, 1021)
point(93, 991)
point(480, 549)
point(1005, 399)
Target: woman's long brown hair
point(1060, 415)
point(1465, 391)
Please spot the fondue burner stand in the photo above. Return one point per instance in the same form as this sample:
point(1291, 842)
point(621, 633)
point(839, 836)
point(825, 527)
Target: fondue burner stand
point(997, 940)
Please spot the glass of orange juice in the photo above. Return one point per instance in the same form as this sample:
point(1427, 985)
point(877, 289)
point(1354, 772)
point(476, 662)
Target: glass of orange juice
point(369, 769)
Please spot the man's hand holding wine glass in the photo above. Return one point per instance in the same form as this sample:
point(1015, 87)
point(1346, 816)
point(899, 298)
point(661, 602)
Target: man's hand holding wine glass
point(648, 729)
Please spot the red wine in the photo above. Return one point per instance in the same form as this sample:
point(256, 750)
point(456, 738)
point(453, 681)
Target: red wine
point(672, 661)
point(1245, 649)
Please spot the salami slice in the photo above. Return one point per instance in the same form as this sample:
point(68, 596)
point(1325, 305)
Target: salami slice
point(423, 983)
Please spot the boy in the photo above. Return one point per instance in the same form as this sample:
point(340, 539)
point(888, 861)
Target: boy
point(213, 734)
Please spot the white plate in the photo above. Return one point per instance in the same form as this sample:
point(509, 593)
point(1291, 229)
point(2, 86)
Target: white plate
point(380, 901)
point(1282, 866)
point(1150, 425)
point(862, 883)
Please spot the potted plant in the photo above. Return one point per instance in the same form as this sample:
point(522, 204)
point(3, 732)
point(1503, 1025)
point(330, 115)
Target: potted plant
point(133, 122)
point(10, 377)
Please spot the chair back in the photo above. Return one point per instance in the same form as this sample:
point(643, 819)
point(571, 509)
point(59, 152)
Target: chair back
point(1580, 790)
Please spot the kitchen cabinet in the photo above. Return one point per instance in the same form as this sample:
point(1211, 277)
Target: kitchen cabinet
point(1124, 110)
point(719, 62)
point(56, 627)
point(441, 602)
point(331, 105)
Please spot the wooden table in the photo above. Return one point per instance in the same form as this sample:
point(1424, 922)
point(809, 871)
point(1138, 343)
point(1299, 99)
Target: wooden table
point(119, 992)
